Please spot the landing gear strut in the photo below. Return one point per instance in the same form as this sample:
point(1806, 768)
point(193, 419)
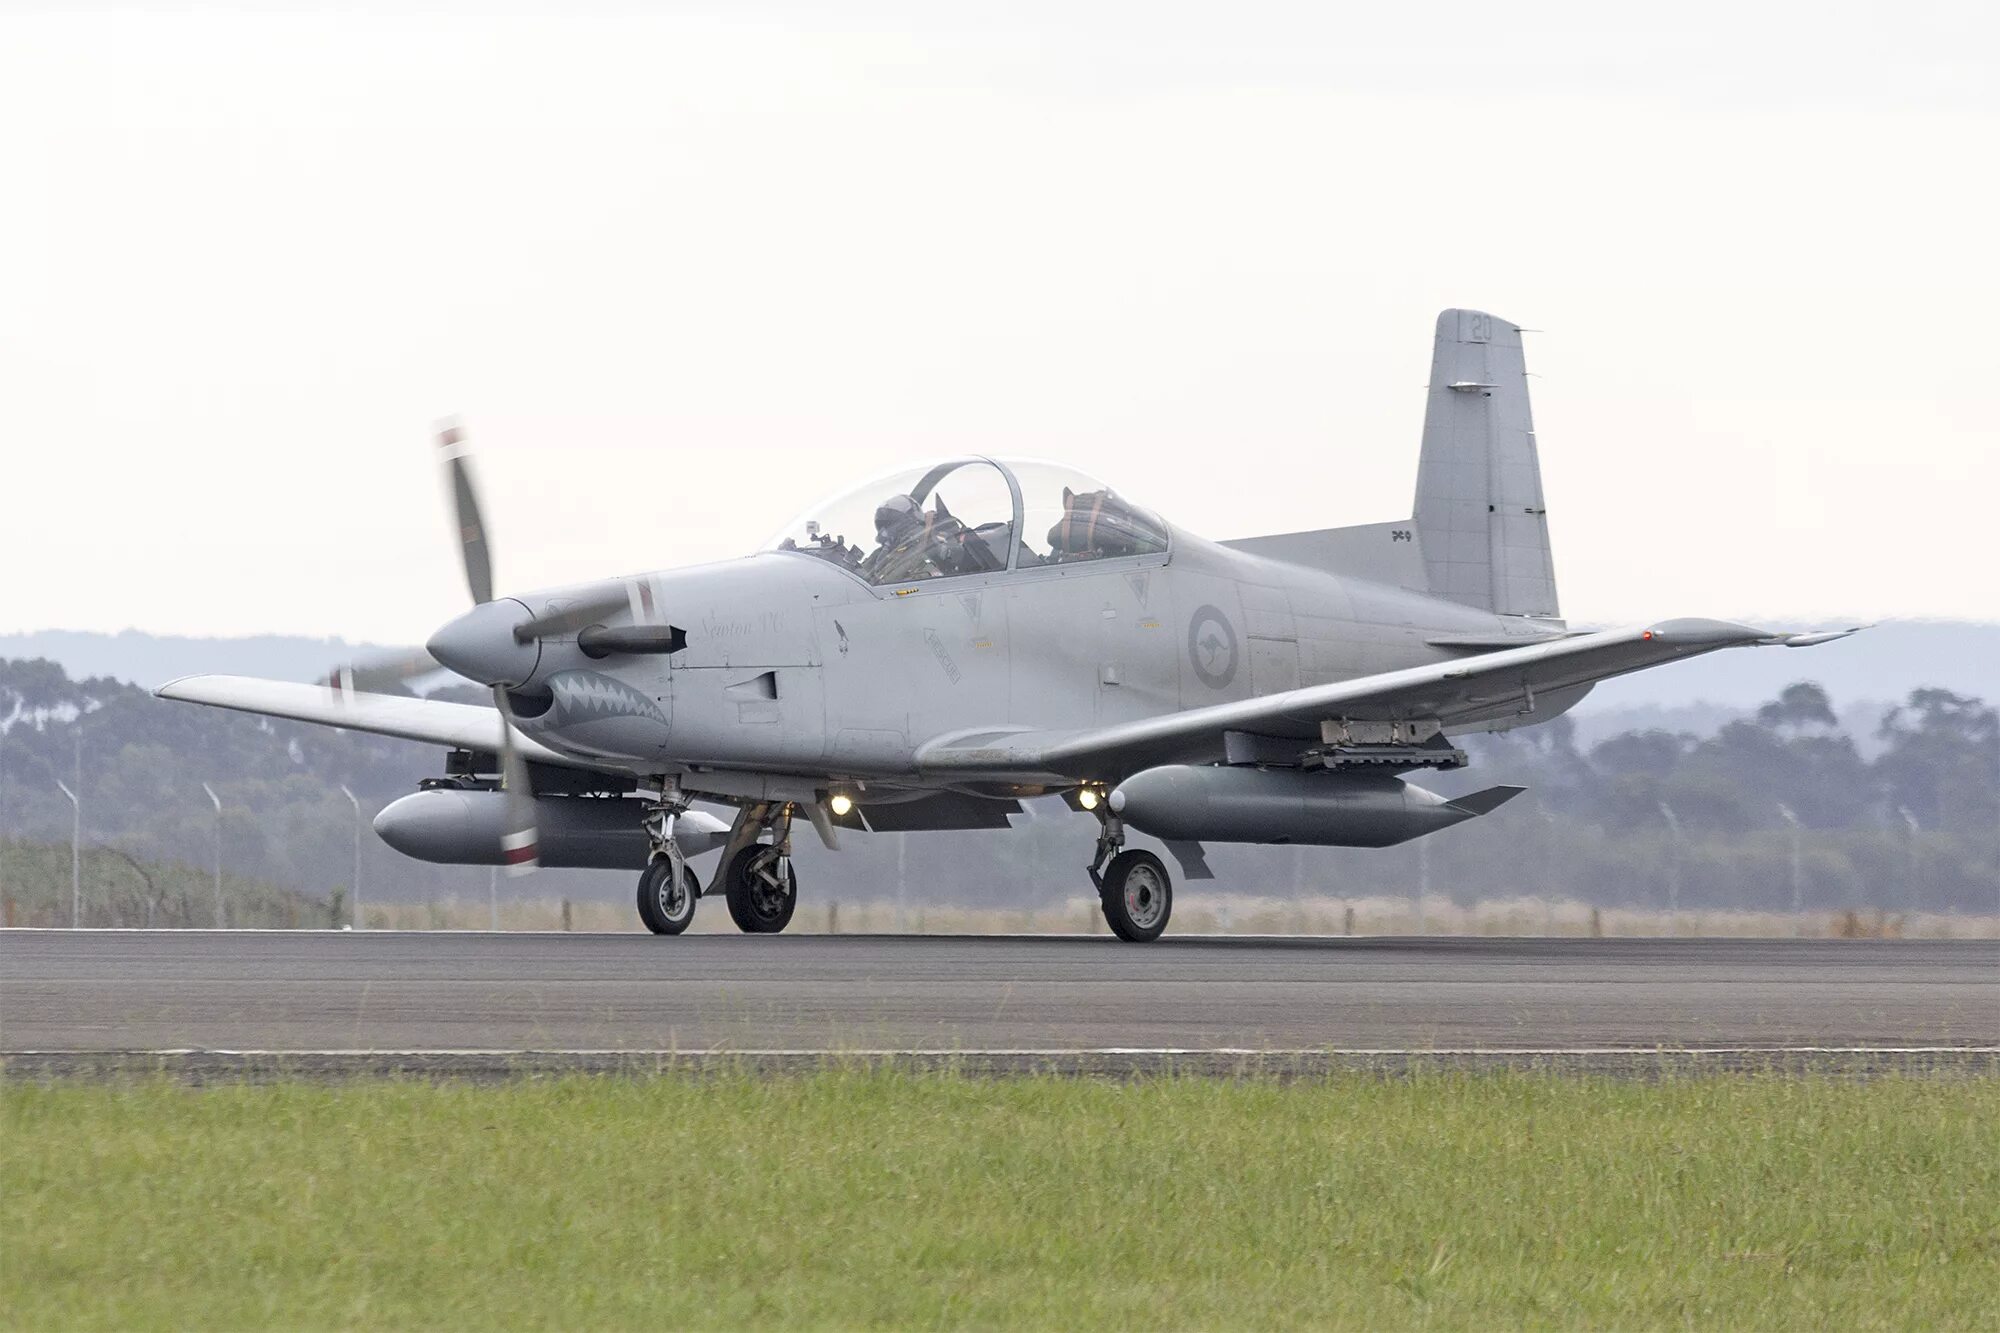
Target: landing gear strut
point(1133, 886)
point(755, 871)
point(668, 888)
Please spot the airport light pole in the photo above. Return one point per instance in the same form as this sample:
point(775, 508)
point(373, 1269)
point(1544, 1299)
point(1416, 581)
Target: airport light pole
point(1911, 826)
point(75, 855)
point(902, 881)
point(357, 852)
point(1548, 859)
point(1673, 867)
point(1798, 876)
point(1423, 884)
point(216, 801)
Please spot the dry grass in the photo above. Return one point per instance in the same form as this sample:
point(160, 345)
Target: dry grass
point(1216, 914)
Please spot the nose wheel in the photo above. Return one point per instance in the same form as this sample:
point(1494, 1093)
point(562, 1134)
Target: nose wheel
point(667, 905)
point(669, 888)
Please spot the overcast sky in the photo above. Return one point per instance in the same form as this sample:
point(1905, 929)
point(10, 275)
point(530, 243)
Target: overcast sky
point(683, 271)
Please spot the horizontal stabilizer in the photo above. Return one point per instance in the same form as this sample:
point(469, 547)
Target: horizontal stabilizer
point(1387, 553)
point(1493, 643)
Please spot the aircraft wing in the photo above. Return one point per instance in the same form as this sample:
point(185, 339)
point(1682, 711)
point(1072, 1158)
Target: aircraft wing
point(1458, 691)
point(462, 726)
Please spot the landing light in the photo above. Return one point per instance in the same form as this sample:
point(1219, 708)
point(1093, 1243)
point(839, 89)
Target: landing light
point(1087, 798)
point(841, 803)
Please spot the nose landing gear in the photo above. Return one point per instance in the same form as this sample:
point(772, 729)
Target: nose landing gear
point(666, 905)
point(668, 888)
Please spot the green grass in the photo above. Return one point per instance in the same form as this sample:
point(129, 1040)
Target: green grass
point(884, 1198)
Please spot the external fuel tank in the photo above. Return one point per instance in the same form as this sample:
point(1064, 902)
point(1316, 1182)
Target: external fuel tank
point(1290, 805)
point(458, 826)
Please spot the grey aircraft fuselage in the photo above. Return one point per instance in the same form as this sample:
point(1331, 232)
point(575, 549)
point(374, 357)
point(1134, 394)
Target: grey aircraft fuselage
point(794, 664)
point(1007, 645)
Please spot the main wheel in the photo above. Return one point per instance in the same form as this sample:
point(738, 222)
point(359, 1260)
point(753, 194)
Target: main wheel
point(1138, 896)
point(760, 900)
point(665, 910)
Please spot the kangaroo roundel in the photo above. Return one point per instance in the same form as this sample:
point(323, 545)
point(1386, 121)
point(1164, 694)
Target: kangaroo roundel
point(1212, 648)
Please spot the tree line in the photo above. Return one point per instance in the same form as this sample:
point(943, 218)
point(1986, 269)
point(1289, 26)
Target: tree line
point(1780, 803)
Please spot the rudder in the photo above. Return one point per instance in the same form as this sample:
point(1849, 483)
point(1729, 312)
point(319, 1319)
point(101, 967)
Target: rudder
point(1480, 514)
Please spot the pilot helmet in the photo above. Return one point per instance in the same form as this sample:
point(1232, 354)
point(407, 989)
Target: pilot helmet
point(895, 517)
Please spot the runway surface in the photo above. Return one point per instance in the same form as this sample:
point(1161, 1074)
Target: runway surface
point(1013, 997)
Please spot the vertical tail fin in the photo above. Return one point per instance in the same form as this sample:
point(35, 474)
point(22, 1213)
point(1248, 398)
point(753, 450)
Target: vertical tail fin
point(1479, 512)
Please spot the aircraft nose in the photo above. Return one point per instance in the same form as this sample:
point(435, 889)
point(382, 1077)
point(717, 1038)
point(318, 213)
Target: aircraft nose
point(480, 645)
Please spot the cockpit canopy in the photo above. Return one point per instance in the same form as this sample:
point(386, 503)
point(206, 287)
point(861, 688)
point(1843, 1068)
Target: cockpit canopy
point(972, 516)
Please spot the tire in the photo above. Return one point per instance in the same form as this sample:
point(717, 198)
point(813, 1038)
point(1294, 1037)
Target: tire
point(1138, 896)
point(665, 913)
point(758, 904)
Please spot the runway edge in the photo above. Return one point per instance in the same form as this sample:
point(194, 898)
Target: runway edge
point(198, 1068)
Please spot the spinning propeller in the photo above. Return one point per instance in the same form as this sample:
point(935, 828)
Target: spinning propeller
point(519, 841)
point(498, 643)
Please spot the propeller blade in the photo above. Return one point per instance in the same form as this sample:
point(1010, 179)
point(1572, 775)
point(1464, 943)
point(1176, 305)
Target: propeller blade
point(472, 547)
point(382, 673)
point(570, 617)
point(520, 842)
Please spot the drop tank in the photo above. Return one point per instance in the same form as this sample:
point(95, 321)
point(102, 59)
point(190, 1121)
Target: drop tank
point(1290, 805)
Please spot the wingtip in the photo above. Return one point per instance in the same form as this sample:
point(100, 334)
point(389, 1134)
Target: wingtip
point(164, 691)
point(1700, 632)
point(1487, 801)
point(1817, 637)
point(1724, 633)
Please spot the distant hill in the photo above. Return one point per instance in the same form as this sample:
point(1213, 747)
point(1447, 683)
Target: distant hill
point(149, 660)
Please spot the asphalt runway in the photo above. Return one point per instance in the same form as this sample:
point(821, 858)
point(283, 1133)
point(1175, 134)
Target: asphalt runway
point(412, 998)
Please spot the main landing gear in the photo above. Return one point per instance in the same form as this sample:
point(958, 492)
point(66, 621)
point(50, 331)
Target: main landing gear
point(755, 874)
point(763, 889)
point(1133, 886)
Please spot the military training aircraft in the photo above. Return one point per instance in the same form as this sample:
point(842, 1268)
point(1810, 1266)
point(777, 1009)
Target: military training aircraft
point(931, 648)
